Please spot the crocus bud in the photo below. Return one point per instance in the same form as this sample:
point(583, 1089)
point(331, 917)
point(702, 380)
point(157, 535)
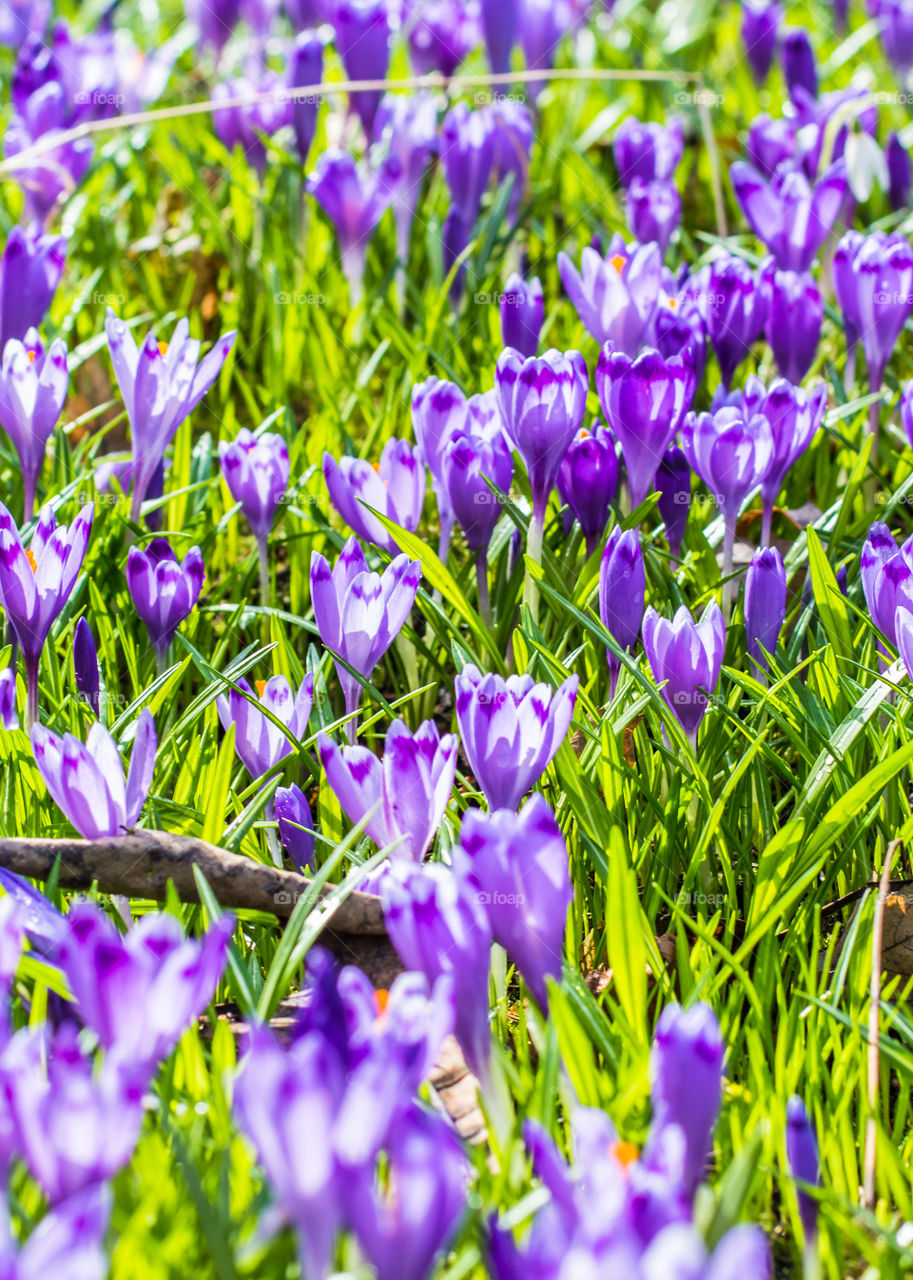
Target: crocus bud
point(518, 866)
point(794, 415)
point(31, 268)
point(293, 814)
point(33, 389)
point(587, 480)
point(648, 151)
point(164, 591)
point(900, 172)
point(522, 310)
point(653, 211)
point(887, 577)
point(794, 322)
point(686, 656)
point(362, 30)
point(760, 23)
point(733, 302)
point(644, 401)
point(622, 588)
point(873, 281)
point(686, 1074)
point(305, 68)
point(85, 665)
point(500, 19)
point(9, 718)
point(256, 470)
point(673, 484)
point(802, 1156)
point(732, 450)
point(896, 34)
point(765, 604)
point(771, 143)
point(798, 62)
point(471, 457)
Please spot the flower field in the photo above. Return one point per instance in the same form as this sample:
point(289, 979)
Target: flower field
point(456, 581)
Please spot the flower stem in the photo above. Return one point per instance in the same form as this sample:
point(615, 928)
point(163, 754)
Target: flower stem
point(874, 414)
point(534, 551)
point(767, 515)
point(263, 566)
point(728, 548)
point(31, 684)
point(484, 600)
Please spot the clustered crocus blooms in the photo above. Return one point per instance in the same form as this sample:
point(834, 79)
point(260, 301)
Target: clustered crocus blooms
point(348, 1077)
point(511, 730)
point(395, 489)
point(259, 741)
point(794, 416)
point(402, 797)
point(161, 385)
point(86, 780)
point(731, 450)
point(616, 296)
point(646, 156)
point(354, 197)
point(873, 281)
point(765, 604)
point(359, 614)
point(256, 470)
point(685, 657)
point(164, 590)
point(518, 866)
point(616, 1213)
point(542, 406)
point(587, 480)
point(522, 310)
point(645, 401)
point(622, 589)
point(36, 582)
point(33, 389)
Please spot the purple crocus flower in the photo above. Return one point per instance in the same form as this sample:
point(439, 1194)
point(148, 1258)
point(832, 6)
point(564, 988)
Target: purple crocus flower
point(9, 717)
point(293, 817)
point(648, 151)
point(906, 410)
point(517, 864)
point(86, 780)
point(51, 176)
point(405, 1226)
point(789, 215)
point(20, 19)
point(794, 322)
point(802, 1156)
point(85, 666)
point(873, 281)
point(69, 1238)
point(543, 401)
point(512, 141)
point(887, 578)
point(164, 591)
point(256, 470)
point(441, 33)
point(510, 730)
point(760, 24)
point(246, 126)
point(616, 297)
point(622, 588)
point(900, 172)
point(765, 604)
point(686, 1081)
point(771, 143)
point(33, 389)
point(733, 302)
point(438, 412)
point(587, 480)
point(794, 415)
point(542, 25)
point(139, 992)
point(35, 583)
point(355, 199)
point(653, 211)
point(76, 1125)
point(467, 150)
point(359, 614)
point(410, 788)
point(522, 310)
point(475, 452)
point(31, 268)
point(500, 20)
point(406, 125)
point(645, 401)
point(396, 488)
point(259, 742)
point(895, 18)
point(439, 928)
point(305, 67)
point(362, 30)
point(673, 484)
point(732, 451)
point(161, 386)
point(687, 656)
point(215, 20)
point(798, 62)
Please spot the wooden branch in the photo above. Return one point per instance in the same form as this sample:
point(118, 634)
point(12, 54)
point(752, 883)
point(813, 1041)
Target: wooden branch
point(141, 865)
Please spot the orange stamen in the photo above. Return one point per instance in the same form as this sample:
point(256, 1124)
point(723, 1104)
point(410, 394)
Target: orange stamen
point(381, 996)
point(259, 685)
point(619, 261)
point(163, 347)
point(32, 357)
point(673, 303)
point(624, 1152)
point(30, 556)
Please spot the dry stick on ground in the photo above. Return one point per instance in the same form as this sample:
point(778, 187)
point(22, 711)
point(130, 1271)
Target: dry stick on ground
point(871, 1124)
